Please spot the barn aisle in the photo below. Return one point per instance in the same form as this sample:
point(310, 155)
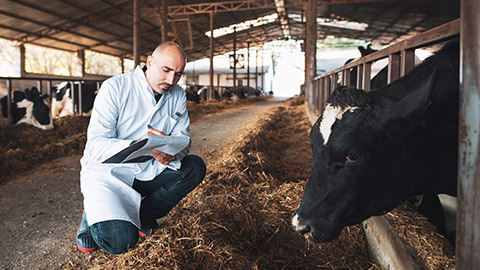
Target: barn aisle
point(40, 211)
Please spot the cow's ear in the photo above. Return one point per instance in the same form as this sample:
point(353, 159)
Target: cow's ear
point(415, 102)
point(18, 96)
point(316, 139)
point(28, 94)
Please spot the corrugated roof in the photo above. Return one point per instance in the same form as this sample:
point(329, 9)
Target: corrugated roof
point(106, 26)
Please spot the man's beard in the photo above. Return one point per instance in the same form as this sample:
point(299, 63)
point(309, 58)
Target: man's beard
point(160, 88)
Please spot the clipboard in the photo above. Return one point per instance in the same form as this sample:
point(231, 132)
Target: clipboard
point(141, 151)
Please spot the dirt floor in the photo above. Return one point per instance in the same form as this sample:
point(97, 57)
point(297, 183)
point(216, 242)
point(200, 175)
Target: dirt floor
point(40, 199)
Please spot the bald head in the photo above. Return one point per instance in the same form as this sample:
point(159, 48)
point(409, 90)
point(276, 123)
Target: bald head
point(169, 47)
point(165, 66)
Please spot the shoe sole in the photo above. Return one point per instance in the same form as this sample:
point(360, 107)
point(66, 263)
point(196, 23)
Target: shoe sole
point(84, 249)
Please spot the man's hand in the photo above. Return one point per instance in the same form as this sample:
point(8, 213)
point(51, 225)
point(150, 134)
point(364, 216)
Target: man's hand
point(152, 131)
point(161, 157)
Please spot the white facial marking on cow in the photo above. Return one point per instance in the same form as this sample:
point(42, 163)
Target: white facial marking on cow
point(330, 115)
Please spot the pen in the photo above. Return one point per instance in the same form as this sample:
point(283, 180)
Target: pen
point(149, 127)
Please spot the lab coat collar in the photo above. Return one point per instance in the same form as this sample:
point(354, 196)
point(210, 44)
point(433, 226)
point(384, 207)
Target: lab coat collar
point(140, 73)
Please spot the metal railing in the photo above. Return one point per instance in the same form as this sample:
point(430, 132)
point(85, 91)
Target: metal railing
point(401, 59)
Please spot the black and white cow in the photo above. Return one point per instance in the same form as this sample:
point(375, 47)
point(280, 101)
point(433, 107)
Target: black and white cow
point(63, 100)
point(27, 107)
point(373, 150)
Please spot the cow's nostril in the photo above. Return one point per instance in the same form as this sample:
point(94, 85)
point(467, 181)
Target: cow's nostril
point(305, 229)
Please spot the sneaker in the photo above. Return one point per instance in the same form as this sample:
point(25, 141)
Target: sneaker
point(84, 238)
point(145, 232)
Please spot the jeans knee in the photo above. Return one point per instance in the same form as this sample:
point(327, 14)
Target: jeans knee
point(115, 236)
point(197, 166)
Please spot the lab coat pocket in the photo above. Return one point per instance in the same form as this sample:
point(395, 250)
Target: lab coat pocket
point(167, 124)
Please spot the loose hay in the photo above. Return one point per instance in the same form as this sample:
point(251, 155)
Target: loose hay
point(431, 249)
point(239, 217)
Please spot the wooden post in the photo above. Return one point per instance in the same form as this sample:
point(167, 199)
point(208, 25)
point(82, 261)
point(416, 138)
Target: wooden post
point(468, 216)
point(310, 47)
point(136, 32)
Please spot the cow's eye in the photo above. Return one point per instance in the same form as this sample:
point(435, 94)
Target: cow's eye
point(352, 157)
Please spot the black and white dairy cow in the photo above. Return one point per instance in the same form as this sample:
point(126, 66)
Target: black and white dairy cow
point(373, 150)
point(27, 107)
point(63, 100)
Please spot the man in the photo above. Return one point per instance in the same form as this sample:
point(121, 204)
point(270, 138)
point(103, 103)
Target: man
point(122, 201)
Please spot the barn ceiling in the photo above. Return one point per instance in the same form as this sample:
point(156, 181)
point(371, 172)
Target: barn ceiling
point(106, 26)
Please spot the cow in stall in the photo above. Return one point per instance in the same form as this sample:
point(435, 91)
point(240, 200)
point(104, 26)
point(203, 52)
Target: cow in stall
point(192, 95)
point(27, 107)
point(63, 100)
point(373, 150)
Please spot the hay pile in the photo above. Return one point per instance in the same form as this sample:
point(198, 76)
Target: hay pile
point(239, 217)
point(23, 147)
point(431, 249)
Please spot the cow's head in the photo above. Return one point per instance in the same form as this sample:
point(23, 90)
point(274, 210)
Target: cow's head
point(360, 162)
point(34, 110)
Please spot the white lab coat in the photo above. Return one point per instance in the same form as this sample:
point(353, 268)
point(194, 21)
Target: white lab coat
point(123, 108)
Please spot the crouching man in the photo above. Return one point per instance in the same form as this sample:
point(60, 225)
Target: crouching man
point(123, 201)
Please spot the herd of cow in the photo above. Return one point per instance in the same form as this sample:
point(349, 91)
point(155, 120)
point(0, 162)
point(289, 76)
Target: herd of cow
point(372, 150)
point(31, 107)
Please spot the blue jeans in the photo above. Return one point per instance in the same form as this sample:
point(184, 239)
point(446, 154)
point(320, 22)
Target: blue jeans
point(160, 195)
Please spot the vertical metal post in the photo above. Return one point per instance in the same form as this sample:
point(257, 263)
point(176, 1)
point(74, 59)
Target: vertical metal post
point(407, 61)
point(81, 58)
point(367, 71)
point(262, 74)
point(468, 216)
point(235, 61)
point(136, 32)
point(248, 65)
point(360, 76)
point(393, 67)
point(310, 46)
point(23, 72)
point(9, 101)
point(210, 89)
point(256, 69)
